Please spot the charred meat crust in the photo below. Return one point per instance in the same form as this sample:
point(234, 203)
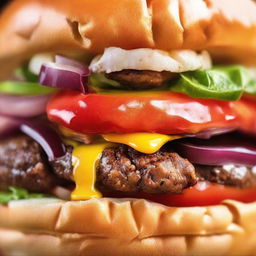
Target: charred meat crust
point(232, 175)
point(121, 168)
point(62, 166)
point(141, 79)
point(125, 169)
point(24, 164)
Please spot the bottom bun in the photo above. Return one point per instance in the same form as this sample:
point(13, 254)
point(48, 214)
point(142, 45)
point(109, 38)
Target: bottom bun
point(126, 227)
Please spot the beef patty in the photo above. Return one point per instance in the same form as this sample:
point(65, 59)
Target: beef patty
point(141, 79)
point(125, 169)
point(121, 168)
point(229, 174)
point(24, 164)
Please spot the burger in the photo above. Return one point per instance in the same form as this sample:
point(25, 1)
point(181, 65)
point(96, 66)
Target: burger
point(127, 127)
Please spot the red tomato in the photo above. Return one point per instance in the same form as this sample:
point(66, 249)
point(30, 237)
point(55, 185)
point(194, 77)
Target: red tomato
point(202, 194)
point(159, 112)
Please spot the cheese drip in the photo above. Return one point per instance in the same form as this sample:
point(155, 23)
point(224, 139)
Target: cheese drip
point(85, 159)
point(147, 143)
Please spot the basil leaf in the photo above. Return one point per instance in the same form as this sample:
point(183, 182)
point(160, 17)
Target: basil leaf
point(15, 193)
point(24, 88)
point(220, 82)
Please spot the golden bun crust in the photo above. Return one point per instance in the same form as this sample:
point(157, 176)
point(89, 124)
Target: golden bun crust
point(226, 29)
point(126, 227)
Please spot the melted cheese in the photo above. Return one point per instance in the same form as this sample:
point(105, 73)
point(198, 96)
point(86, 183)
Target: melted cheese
point(85, 158)
point(147, 143)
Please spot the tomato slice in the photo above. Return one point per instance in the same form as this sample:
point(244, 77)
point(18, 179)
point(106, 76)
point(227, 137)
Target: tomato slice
point(158, 112)
point(202, 194)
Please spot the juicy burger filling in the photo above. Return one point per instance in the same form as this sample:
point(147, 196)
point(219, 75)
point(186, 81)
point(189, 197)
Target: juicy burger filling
point(23, 163)
point(136, 163)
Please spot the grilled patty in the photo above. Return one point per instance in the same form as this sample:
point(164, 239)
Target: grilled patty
point(121, 168)
point(125, 169)
point(24, 164)
point(141, 79)
point(232, 175)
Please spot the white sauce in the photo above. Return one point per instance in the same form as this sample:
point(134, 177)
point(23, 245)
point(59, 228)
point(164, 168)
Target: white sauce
point(117, 59)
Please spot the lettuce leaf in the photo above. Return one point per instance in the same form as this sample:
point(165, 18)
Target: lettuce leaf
point(24, 88)
point(15, 193)
point(24, 83)
point(220, 82)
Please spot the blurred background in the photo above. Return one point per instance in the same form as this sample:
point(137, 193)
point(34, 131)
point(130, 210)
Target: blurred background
point(3, 2)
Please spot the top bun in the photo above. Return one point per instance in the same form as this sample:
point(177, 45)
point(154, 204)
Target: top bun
point(226, 28)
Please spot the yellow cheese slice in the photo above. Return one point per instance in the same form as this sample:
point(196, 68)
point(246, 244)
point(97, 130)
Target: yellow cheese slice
point(85, 158)
point(147, 143)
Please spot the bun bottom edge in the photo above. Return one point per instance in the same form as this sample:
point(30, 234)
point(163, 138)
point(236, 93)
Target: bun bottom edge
point(126, 227)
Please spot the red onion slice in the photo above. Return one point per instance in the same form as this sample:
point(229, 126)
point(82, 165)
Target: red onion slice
point(233, 148)
point(69, 62)
point(23, 106)
point(65, 74)
point(43, 134)
point(46, 137)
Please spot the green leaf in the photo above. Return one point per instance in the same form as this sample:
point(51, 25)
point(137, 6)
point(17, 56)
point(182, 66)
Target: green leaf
point(25, 83)
point(220, 82)
point(251, 85)
point(25, 74)
point(15, 193)
point(24, 88)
